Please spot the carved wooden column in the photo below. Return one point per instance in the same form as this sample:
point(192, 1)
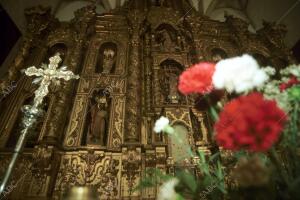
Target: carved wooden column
point(133, 91)
point(156, 86)
point(63, 103)
point(148, 62)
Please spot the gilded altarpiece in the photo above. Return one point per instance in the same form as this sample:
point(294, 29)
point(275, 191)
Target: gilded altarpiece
point(129, 61)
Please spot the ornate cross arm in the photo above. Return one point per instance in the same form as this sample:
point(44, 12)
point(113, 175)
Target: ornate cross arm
point(46, 75)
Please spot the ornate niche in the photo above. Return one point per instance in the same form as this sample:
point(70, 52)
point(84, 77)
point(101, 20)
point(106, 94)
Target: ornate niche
point(167, 39)
point(107, 58)
point(181, 121)
point(169, 73)
point(218, 54)
point(97, 121)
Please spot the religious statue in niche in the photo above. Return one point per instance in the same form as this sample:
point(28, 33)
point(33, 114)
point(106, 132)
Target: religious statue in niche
point(173, 96)
point(180, 43)
point(165, 40)
point(107, 58)
point(98, 121)
point(169, 81)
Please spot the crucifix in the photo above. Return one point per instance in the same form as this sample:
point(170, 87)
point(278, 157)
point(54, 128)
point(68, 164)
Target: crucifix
point(46, 75)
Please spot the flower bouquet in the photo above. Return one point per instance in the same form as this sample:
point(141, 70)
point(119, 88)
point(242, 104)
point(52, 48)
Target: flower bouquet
point(255, 129)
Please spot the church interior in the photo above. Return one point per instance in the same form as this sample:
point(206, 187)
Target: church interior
point(88, 133)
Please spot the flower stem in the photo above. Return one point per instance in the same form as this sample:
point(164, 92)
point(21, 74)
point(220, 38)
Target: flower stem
point(283, 174)
point(212, 110)
point(213, 113)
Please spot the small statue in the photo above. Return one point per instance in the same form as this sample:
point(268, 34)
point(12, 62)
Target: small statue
point(167, 43)
point(156, 45)
point(99, 121)
point(173, 92)
point(108, 60)
point(180, 43)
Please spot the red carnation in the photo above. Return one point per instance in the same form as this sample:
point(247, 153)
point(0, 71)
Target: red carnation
point(291, 82)
point(249, 122)
point(197, 79)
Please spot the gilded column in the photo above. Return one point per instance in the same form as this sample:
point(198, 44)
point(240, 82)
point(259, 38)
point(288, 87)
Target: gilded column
point(133, 91)
point(148, 73)
point(59, 113)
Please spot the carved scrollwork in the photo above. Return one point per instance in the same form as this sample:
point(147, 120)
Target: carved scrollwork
point(77, 117)
point(112, 85)
point(118, 123)
point(95, 169)
point(131, 160)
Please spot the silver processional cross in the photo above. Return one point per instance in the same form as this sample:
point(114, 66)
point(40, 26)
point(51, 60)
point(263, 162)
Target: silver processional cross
point(46, 75)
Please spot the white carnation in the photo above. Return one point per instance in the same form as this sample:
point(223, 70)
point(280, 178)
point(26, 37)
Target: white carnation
point(161, 124)
point(271, 91)
point(238, 74)
point(270, 71)
point(167, 190)
point(292, 69)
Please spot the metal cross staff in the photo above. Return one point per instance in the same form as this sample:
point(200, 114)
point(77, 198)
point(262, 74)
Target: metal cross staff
point(46, 75)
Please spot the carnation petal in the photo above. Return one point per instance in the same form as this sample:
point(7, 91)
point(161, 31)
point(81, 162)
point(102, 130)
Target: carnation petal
point(231, 73)
point(257, 123)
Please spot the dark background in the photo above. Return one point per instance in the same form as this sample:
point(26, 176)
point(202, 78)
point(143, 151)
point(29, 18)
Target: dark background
point(9, 34)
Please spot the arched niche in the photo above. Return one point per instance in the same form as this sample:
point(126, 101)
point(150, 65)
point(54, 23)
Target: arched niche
point(60, 48)
point(179, 144)
point(107, 58)
point(218, 54)
point(96, 126)
point(167, 38)
point(170, 71)
point(33, 135)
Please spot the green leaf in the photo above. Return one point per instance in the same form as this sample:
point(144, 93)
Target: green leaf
point(214, 156)
point(240, 154)
point(294, 93)
point(219, 171)
point(189, 180)
point(145, 183)
point(202, 157)
point(179, 197)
